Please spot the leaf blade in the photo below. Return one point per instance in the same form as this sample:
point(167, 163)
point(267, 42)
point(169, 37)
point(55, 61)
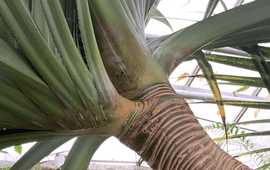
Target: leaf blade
point(171, 50)
point(82, 152)
point(38, 152)
point(51, 70)
point(211, 80)
point(157, 15)
point(18, 149)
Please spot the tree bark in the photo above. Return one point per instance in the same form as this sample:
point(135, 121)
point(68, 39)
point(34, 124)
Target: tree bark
point(167, 135)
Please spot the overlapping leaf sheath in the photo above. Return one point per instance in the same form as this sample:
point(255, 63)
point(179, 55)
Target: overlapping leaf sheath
point(89, 84)
point(17, 111)
point(19, 21)
point(74, 97)
point(119, 28)
point(167, 135)
point(18, 69)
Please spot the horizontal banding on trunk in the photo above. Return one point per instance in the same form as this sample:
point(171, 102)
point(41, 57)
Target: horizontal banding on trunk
point(167, 135)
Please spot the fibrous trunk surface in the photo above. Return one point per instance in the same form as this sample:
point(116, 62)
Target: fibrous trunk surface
point(165, 132)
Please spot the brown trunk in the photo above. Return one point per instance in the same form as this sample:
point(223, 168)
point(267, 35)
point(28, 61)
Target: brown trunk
point(168, 136)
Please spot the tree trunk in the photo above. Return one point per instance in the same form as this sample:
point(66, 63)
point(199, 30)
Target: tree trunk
point(167, 135)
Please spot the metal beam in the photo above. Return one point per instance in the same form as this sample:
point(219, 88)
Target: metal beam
point(190, 79)
point(238, 3)
point(204, 94)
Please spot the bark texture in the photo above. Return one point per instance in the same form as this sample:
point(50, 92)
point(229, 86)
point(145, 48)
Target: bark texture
point(165, 132)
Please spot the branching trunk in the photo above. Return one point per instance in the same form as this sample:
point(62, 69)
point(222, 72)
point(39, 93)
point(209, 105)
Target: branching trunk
point(165, 132)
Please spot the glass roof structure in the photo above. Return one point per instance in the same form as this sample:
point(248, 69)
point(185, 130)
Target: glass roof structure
point(180, 14)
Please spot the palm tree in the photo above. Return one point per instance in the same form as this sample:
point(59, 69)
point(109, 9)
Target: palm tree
point(86, 68)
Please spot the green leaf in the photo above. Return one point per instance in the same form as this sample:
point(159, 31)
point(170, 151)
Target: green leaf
point(14, 101)
point(21, 24)
point(18, 149)
point(211, 80)
point(236, 131)
point(6, 168)
point(170, 50)
point(5, 33)
point(38, 152)
point(82, 152)
point(147, 7)
point(232, 61)
point(8, 120)
point(241, 80)
point(40, 21)
point(231, 129)
point(24, 136)
point(250, 35)
point(38, 165)
point(81, 77)
point(101, 80)
point(210, 8)
point(260, 64)
point(157, 15)
point(14, 67)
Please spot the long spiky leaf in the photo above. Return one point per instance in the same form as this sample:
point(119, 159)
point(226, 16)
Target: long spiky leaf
point(22, 26)
point(157, 15)
point(211, 80)
point(172, 49)
point(101, 80)
point(16, 137)
point(260, 64)
point(38, 152)
point(82, 151)
point(75, 66)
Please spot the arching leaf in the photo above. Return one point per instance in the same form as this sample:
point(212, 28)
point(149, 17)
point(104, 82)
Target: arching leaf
point(82, 152)
point(38, 152)
point(157, 15)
